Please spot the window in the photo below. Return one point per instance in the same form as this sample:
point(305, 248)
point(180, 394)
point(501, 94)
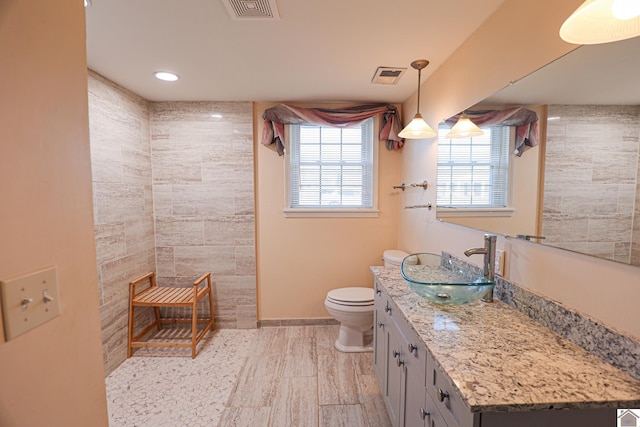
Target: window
point(474, 172)
point(332, 170)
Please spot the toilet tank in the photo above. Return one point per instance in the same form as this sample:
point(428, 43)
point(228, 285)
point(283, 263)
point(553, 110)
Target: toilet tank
point(393, 257)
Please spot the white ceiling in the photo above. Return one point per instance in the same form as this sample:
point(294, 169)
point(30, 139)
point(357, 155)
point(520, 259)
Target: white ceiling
point(320, 50)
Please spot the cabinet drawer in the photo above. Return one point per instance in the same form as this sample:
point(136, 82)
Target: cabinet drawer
point(431, 415)
point(415, 346)
point(382, 303)
point(446, 397)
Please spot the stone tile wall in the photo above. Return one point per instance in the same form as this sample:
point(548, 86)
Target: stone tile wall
point(591, 180)
point(635, 236)
point(123, 206)
point(173, 193)
point(202, 156)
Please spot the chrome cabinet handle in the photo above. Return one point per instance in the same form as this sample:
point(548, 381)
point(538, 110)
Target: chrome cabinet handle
point(413, 348)
point(400, 362)
point(380, 324)
point(378, 291)
point(424, 413)
point(387, 308)
point(396, 353)
point(442, 395)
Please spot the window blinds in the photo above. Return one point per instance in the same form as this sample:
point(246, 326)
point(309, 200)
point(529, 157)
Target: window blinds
point(473, 172)
point(331, 166)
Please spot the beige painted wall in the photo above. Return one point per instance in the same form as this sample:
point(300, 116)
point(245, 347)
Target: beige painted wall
point(528, 31)
point(53, 374)
point(301, 259)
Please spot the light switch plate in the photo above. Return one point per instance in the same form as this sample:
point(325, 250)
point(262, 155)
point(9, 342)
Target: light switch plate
point(29, 301)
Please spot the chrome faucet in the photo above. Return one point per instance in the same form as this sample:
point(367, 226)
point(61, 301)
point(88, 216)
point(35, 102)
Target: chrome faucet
point(488, 265)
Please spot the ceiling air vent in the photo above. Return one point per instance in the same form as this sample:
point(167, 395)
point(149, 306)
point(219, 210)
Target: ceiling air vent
point(387, 75)
point(248, 10)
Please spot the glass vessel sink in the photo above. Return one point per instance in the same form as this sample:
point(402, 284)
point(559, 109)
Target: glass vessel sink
point(436, 279)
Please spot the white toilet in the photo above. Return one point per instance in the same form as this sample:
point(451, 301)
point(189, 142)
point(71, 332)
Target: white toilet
point(393, 257)
point(353, 308)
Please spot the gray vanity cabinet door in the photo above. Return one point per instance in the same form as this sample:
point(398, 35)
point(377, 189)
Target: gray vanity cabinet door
point(414, 359)
point(395, 375)
point(380, 339)
point(432, 417)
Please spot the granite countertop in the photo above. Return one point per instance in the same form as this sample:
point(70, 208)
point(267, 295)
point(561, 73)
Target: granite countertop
point(502, 360)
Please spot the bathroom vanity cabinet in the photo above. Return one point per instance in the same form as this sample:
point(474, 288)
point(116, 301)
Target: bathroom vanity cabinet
point(418, 389)
point(399, 362)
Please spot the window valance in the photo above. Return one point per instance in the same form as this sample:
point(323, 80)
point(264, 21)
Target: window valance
point(276, 117)
point(524, 120)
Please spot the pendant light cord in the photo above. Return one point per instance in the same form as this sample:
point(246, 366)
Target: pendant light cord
point(419, 79)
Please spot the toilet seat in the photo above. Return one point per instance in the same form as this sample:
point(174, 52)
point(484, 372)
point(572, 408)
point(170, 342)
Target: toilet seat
point(351, 296)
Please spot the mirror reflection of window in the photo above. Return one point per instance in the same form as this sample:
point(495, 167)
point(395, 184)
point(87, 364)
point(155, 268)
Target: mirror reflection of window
point(474, 172)
point(584, 195)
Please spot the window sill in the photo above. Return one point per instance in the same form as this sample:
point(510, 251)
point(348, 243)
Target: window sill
point(330, 213)
point(471, 212)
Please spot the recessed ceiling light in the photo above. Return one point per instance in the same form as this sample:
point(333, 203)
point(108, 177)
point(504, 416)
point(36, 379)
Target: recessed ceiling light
point(166, 76)
point(216, 116)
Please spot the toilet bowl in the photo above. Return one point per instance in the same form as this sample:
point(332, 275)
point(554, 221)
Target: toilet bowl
point(393, 257)
point(353, 308)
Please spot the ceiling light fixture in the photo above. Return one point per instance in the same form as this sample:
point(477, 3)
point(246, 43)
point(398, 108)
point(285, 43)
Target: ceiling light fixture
point(464, 128)
point(602, 21)
point(418, 128)
point(166, 76)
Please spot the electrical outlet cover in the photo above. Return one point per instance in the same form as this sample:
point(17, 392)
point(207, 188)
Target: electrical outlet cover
point(499, 263)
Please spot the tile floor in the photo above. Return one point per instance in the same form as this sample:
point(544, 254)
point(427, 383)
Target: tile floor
point(274, 376)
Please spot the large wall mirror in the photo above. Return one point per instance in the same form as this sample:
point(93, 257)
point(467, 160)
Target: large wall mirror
point(588, 165)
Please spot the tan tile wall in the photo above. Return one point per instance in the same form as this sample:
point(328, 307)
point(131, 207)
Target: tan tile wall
point(123, 205)
point(591, 179)
point(635, 239)
point(202, 156)
point(173, 193)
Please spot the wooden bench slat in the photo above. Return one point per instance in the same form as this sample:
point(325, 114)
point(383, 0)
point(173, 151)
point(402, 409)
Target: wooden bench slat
point(170, 295)
point(165, 296)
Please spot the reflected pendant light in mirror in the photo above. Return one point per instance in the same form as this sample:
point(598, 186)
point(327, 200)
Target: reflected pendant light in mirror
point(418, 128)
point(464, 128)
point(602, 21)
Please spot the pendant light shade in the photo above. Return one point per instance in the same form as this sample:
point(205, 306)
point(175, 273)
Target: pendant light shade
point(602, 21)
point(418, 128)
point(464, 128)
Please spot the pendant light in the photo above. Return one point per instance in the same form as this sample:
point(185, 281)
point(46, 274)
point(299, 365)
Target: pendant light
point(602, 21)
point(418, 128)
point(464, 128)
